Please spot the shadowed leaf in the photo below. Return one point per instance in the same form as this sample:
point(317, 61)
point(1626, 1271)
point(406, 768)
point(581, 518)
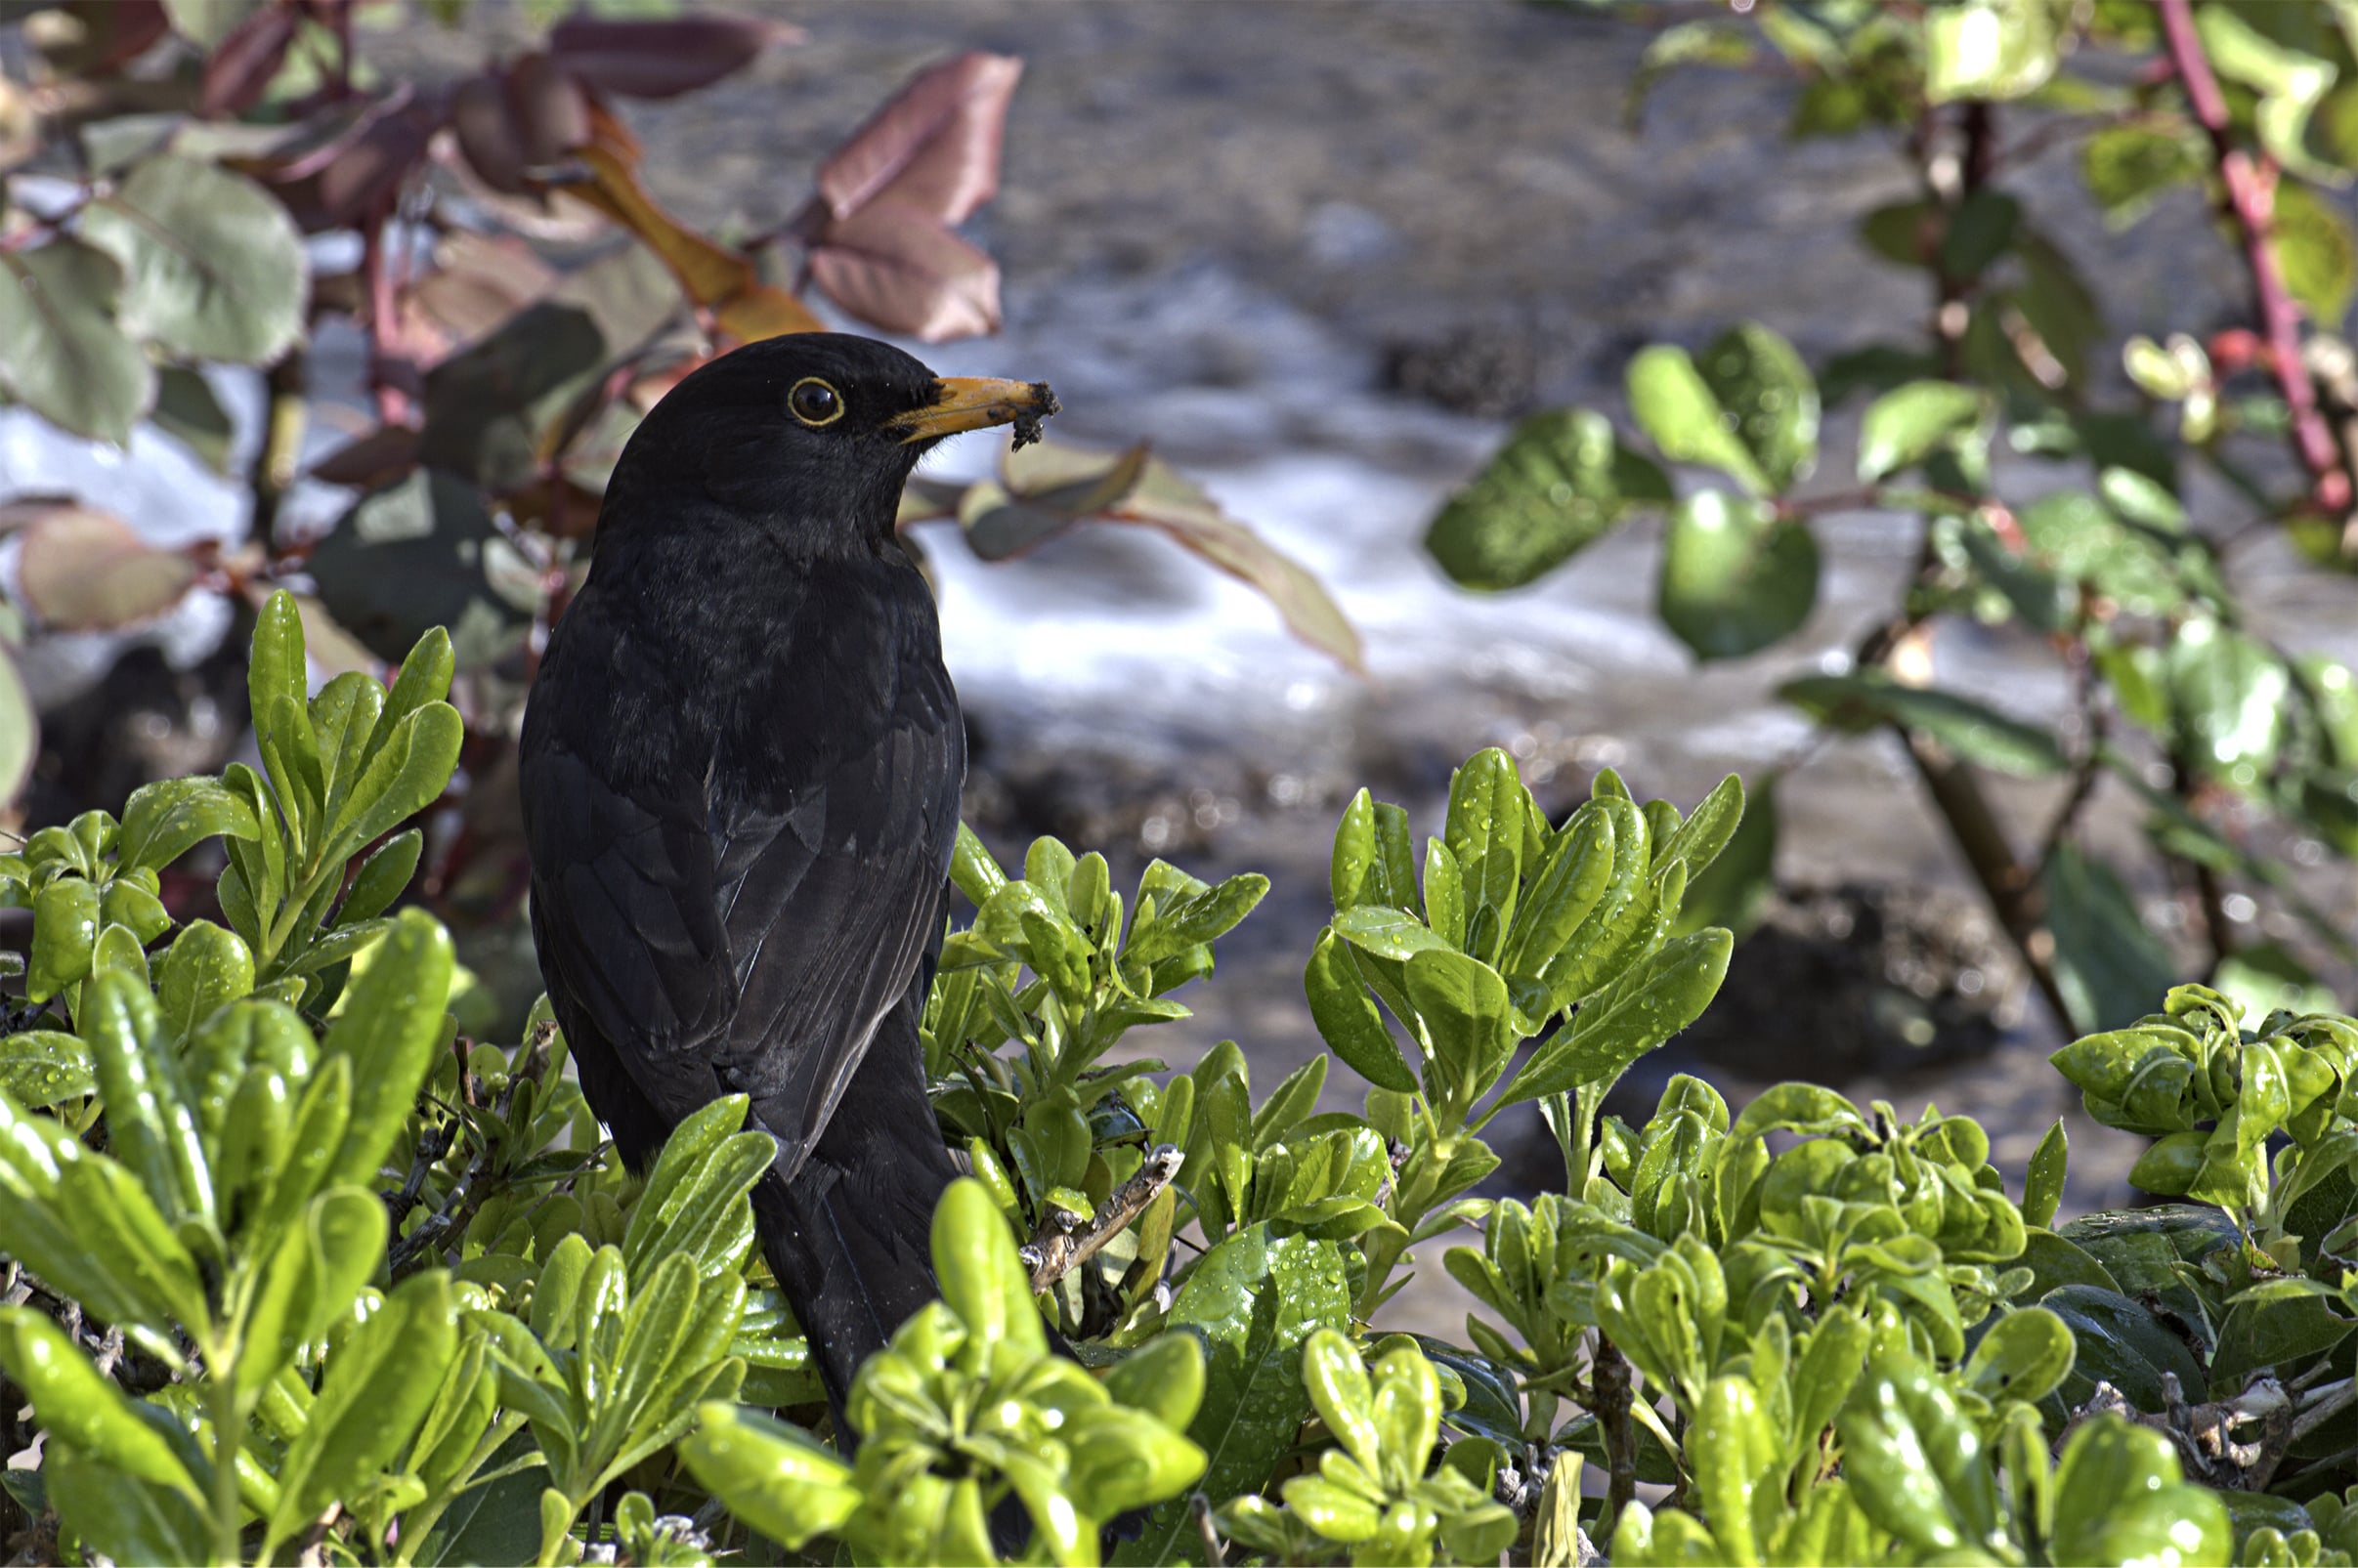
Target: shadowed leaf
point(662, 58)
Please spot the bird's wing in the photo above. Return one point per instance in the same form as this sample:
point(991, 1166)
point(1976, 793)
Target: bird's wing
point(833, 905)
point(724, 941)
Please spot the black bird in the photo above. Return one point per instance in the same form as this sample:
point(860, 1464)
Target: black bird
point(741, 772)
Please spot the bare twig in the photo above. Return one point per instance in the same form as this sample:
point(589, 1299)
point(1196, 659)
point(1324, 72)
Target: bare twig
point(1215, 1556)
point(1611, 1395)
point(1064, 1241)
point(2249, 183)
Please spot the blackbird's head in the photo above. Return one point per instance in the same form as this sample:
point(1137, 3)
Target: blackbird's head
point(810, 436)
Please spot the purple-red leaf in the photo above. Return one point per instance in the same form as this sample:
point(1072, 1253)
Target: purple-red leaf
point(242, 70)
point(369, 172)
point(663, 59)
point(894, 267)
point(934, 147)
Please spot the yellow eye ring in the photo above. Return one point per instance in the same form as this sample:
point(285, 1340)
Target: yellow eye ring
point(816, 402)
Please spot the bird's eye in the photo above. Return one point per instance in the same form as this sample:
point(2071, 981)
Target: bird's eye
point(815, 403)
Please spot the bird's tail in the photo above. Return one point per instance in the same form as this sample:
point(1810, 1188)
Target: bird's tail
point(850, 1237)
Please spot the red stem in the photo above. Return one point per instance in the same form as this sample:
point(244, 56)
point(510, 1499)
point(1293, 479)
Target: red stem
point(2251, 185)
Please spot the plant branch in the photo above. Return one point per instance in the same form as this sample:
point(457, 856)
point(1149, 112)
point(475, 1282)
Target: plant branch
point(1065, 1242)
point(2250, 190)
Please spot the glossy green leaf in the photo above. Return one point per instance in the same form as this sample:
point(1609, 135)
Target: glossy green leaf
point(164, 819)
point(2023, 1356)
point(391, 1022)
point(66, 934)
point(1676, 407)
point(205, 968)
point(1253, 1300)
point(2118, 1498)
point(2042, 1184)
point(1349, 1020)
point(1562, 482)
point(1735, 578)
point(1910, 423)
point(381, 1377)
point(775, 1478)
point(148, 1113)
point(1765, 389)
point(1630, 1017)
point(75, 1404)
point(42, 1067)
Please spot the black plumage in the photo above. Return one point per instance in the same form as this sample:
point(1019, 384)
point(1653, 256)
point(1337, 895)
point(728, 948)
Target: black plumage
point(741, 771)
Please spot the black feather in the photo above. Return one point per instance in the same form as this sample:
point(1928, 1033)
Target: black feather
point(741, 769)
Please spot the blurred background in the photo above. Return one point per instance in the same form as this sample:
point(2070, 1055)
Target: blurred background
point(1323, 259)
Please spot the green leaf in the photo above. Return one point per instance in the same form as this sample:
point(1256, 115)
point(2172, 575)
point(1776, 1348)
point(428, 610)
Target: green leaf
point(1762, 383)
point(1676, 407)
point(982, 1280)
point(2290, 83)
point(1735, 576)
point(127, 1519)
point(2024, 1356)
point(381, 1377)
point(1910, 423)
point(775, 1478)
point(1913, 1460)
point(2316, 249)
point(148, 1115)
point(393, 1021)
point(65, 933)
point(1858, 703)
point(2108, 965)
point(1252, 1300)
point(403, 778)
point(1561, 483)
point(1385, 932)
point(61, 351)
point(42, 1067)
point(694, 1198)
point(2231, 694)
point(382, 877)
point(2118, 1498)
point(186, 410)
point(2043, 1186)
point(74, 1403)
point(1628, 1018)
point(213, 265)
point(1461, 1006)
point(2122, 1343)
point(1735, 1457)
point(1987, 49)
point(164, 819)
point(1190, 922)
point(2128, 167)
point(2281, 1323)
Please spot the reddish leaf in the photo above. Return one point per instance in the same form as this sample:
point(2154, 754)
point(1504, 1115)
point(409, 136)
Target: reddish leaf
point(240, 70)
point(486, 133)
point(368, 171)
point(1168, 500)
point(663, 59)
point(550, 109)
point(371, 461)
point(934, 146)
point(88, 570)
point(477, 283)
point(896, 268)
point(98, 37)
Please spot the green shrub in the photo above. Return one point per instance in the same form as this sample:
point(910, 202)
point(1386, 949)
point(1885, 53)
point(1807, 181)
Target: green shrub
point(298, 1269)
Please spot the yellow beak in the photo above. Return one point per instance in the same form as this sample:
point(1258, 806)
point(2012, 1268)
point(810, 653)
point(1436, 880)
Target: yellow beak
point(977, 403)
